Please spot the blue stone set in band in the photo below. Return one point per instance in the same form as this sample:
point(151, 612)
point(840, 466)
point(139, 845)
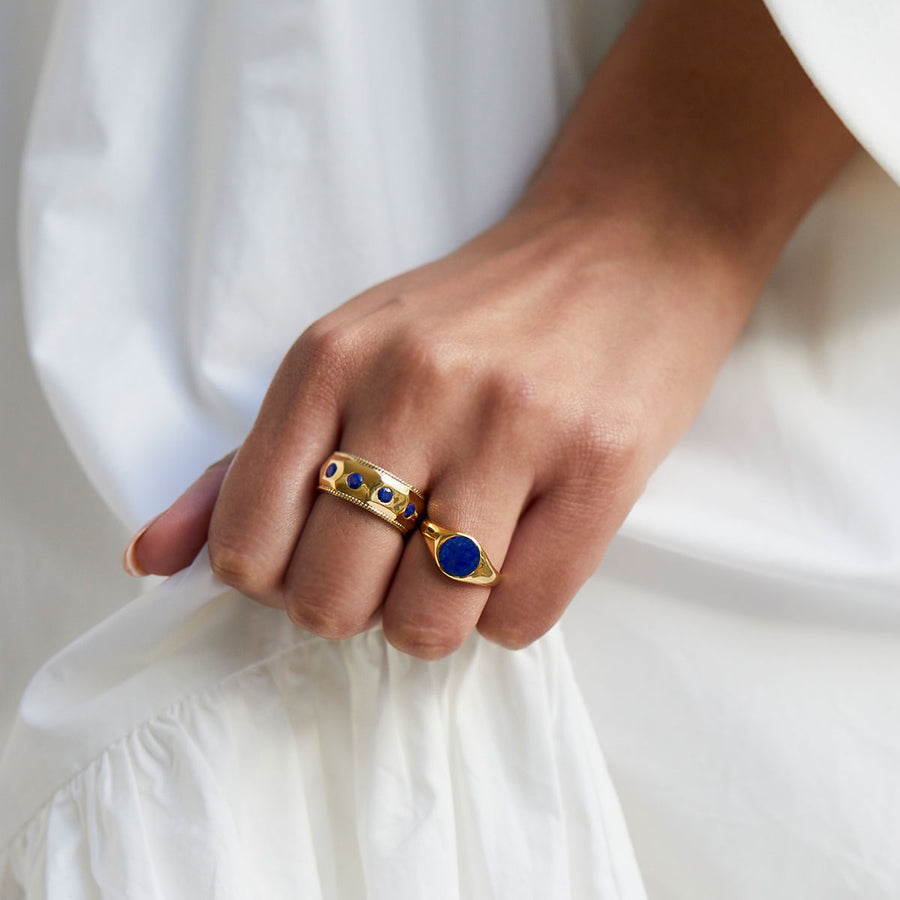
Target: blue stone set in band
point(458, 556)
point(384, 493)
point(373, 493)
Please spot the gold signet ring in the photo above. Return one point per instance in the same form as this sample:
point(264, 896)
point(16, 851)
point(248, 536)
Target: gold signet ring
point(459, 556)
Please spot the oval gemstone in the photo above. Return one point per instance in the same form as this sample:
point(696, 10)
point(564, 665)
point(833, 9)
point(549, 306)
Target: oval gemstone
point(459, 556)
point(354, 480)
point(410, 511)
point(385, 494)
point(331, 470)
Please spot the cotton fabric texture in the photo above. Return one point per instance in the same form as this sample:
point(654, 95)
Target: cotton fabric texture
point(185, 187)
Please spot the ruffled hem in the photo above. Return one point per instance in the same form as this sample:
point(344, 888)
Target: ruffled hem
point(325, 770)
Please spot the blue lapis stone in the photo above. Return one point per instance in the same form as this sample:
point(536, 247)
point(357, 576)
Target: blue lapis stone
point(330, 470)
point(354, 480)
point(459, 556)
point(410, 511)
point(385, 494)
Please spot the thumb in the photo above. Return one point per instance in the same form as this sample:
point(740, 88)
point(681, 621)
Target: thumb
point(170, 541)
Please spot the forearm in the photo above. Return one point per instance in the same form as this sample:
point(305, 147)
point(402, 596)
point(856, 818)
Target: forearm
point(702, 126)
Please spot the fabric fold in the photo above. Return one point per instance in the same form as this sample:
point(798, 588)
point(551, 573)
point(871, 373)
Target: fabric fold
point(254, 759)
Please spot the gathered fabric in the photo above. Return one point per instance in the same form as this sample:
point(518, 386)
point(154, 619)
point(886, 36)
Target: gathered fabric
point(278, 764)
point(198, 183)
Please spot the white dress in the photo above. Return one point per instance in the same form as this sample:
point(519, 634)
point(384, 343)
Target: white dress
point(199, 182)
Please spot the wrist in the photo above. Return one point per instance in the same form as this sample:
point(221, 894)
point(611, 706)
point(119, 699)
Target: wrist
point(700, 131)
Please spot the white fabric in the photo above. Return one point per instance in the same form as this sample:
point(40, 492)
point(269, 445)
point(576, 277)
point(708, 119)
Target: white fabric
point(226, 753)
point(204, 181)
point(201, 181)
point(849, 49)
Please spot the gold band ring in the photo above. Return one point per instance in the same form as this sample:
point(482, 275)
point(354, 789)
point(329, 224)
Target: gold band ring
point(359, 481)
point(459, 556)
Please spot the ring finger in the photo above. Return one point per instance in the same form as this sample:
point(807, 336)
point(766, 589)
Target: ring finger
point(427, 614)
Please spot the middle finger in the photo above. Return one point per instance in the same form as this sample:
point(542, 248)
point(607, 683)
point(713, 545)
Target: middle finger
point(345, 557)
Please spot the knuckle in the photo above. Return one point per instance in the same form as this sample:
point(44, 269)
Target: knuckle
point(512, 393)
point(422, 641)
point(315, 341)
point(327, 621)
point(323, 348)
point(610, 444)
point(510, 637)
point(234, 564)
point(428, 362)
point(517, 415)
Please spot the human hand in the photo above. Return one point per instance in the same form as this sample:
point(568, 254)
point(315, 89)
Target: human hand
point(530, 381)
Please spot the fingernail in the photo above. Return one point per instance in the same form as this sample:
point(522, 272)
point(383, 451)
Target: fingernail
point(129, 563)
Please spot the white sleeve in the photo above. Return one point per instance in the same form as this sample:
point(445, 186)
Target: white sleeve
point(851, 51)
